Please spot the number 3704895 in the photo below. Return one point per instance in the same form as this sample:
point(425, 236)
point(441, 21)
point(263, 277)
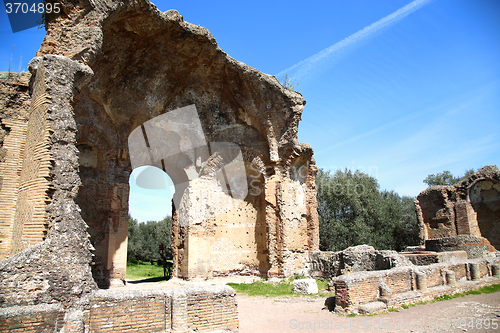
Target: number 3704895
point(25, 8)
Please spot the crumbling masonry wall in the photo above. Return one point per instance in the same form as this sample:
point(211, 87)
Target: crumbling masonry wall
point(200, 309)
point(15, 101)
point(412, 284)
point(465, 216)
point(104, 69)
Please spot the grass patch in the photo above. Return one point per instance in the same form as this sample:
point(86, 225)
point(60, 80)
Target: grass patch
point(351, 315)
point(143, 270)
point(483, 290)
point(404, 306)
point(393, 310)
point(283, 288)
point(322, 285)
point(490, 289)
point(259, 288)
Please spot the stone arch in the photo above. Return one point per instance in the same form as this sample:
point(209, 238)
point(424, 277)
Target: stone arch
point(145, 64)
point(484, 196)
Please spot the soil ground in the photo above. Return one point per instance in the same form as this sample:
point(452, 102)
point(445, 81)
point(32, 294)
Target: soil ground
point(306, 314)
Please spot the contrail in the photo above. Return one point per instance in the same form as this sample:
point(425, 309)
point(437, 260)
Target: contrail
point(333, 52)
point(460, 102)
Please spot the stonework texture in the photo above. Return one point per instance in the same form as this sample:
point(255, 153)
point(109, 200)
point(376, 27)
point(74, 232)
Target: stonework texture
point(465, 215)
point(185, 309)
point(104, 69)
point(326, 265)
point(360, 291)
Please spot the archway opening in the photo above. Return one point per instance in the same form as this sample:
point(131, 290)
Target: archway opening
point(485, 199)
point(150, 219)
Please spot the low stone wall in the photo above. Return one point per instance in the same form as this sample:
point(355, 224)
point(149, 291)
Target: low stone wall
point(476, 247)
point(409, 284)
point(422, 258)
point(326, 265)
point(193, 308)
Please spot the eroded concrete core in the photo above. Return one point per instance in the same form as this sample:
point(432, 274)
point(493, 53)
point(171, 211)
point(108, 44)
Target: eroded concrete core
point(104, 69)
point(465, 216)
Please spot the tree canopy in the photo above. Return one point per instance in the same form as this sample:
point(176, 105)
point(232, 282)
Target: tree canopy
point(144, 239)
point(446, 178)
point(353, 211)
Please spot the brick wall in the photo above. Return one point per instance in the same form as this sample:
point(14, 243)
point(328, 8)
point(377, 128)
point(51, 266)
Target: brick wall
point(30, 221)
point(14, 105)
point(208, 312)
point(10, 170)
point(459, 269)
point(434, 276)
point(362, 287)
point(148, 313)
point(180, 309)
point(40, 318)
point(399, 281)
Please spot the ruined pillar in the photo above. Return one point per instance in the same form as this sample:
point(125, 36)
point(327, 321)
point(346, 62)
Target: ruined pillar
point(475, 272)
point(495, 270)
point(450, 278)
point(421, 281)
point(179, 312)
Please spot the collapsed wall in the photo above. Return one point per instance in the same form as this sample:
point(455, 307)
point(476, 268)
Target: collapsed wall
point(465, 216)
point(327, 265)
point(370, 291)
point(104, 71)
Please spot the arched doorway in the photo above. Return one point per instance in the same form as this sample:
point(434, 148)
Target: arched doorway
point(484, 196)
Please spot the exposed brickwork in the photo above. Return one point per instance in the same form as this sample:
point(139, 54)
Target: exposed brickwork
point(469, 208)
point(207, 312)
point(146, 314)
point(10, 171)
point(200, 309)
point(14, 105)
point(400, 281)
point(46, 318)
point(400, 286)
point(30, 221)
point(56, 269)
point(475, 247)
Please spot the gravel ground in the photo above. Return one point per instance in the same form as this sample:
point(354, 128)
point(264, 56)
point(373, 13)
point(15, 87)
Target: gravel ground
point(305, 314)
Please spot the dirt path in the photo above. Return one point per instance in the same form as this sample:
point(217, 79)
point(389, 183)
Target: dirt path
point(465, 314)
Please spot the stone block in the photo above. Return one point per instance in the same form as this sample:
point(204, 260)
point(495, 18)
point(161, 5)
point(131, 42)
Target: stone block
point(372, 307)
point(305, 286)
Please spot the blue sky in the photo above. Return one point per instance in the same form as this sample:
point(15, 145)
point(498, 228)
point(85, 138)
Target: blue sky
point(400, 89)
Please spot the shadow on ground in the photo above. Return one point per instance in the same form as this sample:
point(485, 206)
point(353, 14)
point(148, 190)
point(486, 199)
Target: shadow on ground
point(155, 279)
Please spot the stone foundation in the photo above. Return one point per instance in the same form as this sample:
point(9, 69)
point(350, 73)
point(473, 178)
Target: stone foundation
point(412, 284)
point(186, 309)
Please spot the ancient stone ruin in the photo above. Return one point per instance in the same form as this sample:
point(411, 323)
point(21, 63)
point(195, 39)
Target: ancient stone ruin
point(460, 230)
point(465, 216)
point(366, 280)
point(105, 76)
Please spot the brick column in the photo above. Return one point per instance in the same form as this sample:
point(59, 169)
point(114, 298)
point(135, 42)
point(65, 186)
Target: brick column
point(450, 278)
point(421, 281)
point(475, 273)
point(179, 312)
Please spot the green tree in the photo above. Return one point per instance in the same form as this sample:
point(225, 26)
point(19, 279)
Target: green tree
point(446, 178)
point(352, 211)
point(144, 239)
